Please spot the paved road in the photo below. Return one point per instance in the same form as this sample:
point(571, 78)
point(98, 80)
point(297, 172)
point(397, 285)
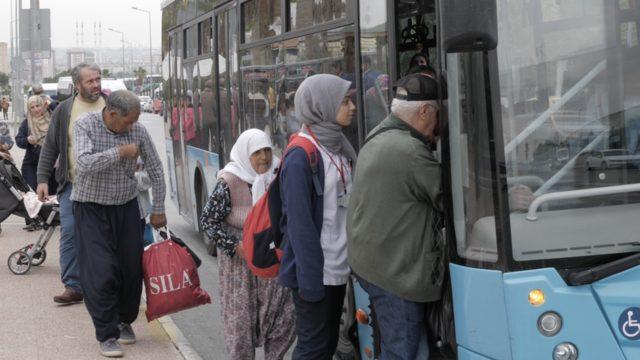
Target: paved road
point(202, 326)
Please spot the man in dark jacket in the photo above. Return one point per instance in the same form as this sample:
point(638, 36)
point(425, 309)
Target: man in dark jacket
point(394, 248)
point(56, 155)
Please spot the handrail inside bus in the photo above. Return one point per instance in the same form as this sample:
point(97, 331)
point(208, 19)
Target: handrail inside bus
point(565, 169)
point(511, 146)
point(573, 194)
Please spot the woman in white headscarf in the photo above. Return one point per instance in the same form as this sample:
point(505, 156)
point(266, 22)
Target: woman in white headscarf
point(255, 312)
point(30, 137)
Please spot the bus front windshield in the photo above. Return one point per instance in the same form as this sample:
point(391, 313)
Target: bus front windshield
point(569, 100)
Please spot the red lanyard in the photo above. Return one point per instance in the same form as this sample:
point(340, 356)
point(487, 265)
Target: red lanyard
point(340, 168)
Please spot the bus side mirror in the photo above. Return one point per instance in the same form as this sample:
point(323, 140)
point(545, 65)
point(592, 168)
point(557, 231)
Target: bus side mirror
point(469, 25)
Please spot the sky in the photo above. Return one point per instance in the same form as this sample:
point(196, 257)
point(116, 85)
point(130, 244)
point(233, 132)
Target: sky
point(116, 14)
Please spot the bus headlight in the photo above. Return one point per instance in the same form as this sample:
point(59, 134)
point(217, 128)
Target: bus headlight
point(536, 297)
point(565, 351)
point(549, 323)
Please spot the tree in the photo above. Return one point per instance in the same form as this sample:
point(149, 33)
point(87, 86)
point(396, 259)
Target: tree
point(140, 73)
point(5, 88)
point(55, 78)
point(106, 73)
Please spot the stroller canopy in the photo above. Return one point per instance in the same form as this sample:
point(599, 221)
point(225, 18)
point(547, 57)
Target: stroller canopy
point(11, 177)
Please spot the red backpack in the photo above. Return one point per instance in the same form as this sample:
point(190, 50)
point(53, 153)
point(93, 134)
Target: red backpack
point(261, 233)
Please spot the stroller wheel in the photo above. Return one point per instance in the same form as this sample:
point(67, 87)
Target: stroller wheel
point(39, 257)
point(19, 262)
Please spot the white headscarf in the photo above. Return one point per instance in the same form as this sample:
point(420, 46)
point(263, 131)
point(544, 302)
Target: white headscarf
point(248, 142)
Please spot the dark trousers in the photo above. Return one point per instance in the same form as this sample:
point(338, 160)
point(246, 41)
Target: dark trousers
point(318, 324)
point(29, 174)
point(110, 249)
point(403, 331)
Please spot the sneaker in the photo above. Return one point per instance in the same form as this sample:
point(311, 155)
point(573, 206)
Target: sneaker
point(68, 297)
point(111, 348)
point(127, 336)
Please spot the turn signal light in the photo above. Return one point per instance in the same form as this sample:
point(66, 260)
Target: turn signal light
point(536, 297)
point(362, 317)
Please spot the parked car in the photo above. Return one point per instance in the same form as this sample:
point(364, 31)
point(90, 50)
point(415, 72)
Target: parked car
point(157, 106)
point(611, 158)
point(111, 85)
point(65, 88)
point(145, 103)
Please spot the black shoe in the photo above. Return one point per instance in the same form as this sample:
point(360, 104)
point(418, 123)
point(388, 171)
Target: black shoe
point(212, 249)
point(31, 227)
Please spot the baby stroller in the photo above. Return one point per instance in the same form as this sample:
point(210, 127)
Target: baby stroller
point(12, 186)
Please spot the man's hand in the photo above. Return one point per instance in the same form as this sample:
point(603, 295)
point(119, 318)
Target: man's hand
point(158, 220)
point(6, 156)
point(129, 151)
point(32, 140)
point(43, 192)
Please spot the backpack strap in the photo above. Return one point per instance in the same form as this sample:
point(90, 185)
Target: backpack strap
point(313, 155)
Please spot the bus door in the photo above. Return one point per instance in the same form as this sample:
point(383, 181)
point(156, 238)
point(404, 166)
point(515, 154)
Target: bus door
point(545, 178)
point(397, 38)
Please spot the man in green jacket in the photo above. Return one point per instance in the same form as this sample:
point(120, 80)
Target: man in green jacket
point(393, 245)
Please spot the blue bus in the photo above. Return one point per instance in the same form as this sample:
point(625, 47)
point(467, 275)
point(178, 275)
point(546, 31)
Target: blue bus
point(541, 247)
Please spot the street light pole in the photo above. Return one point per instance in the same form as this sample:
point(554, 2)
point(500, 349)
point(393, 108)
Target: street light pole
point(122, 34)
point(150, 43)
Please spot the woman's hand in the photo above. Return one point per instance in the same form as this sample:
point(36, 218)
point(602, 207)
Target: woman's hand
point(32, 140)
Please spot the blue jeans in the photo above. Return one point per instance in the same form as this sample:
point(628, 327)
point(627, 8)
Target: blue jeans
point(403, 331)
point(68, 251)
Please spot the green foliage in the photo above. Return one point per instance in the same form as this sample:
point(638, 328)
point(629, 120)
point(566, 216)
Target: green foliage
point(4, 79)
point(140, 73)
point(55, 78)
point(106, 73)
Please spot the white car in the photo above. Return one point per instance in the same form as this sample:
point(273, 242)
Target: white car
point(611, 158)
point(145, 103)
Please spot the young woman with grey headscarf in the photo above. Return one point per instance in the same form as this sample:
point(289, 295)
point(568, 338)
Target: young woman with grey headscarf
point(255, 312)
point(314, 263)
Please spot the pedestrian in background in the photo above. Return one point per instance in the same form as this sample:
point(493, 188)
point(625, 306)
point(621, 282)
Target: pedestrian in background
point(107, 218)
point(394, 246)
point(57, 150)
point(314, 263)
point(255, 311)
point(6, 142)
point(39, 90)
point(5, 108)
point(31, 137)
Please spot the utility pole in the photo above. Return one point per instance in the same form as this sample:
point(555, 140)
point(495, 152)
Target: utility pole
point(34, 5)
point(148, 12)
point(122, 34)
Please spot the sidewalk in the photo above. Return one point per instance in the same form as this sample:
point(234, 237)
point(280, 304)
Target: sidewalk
point(32, 326)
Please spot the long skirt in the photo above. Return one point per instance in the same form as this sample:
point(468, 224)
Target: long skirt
point(255, 312)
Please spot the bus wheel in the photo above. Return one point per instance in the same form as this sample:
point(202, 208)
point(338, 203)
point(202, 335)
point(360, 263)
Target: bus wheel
point(201, 201)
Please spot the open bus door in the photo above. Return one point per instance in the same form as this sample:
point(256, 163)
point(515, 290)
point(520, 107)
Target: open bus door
point(413, 48)
point(545, 250)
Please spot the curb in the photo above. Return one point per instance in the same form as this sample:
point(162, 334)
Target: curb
point(177, 338)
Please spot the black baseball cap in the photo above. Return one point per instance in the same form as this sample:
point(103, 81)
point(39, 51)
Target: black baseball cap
point(416, 87)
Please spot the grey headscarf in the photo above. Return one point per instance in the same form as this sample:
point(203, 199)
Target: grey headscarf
point(317, 102)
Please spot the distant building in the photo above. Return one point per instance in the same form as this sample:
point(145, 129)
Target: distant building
point(76, 56)
point(4, 57)
point(48, 66)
